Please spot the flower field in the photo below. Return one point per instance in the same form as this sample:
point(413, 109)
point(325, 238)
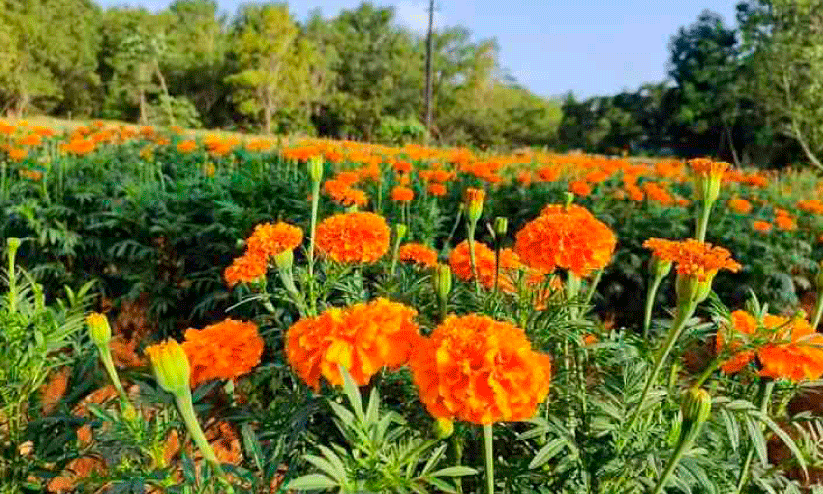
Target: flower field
point(188, 313)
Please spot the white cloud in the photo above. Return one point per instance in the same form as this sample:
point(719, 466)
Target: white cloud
point(415, 15)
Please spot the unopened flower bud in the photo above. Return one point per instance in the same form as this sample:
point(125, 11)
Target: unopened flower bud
point(660, 267)
point(284, 260)
point(474, 203)
point(690, 290)
point(316, 168)
point(99, 329)
point(443, 428)
point(13, 243)
point(501, 226)
point(171, 366)
point(442, 281)
point(400, 231)
point(696, 407)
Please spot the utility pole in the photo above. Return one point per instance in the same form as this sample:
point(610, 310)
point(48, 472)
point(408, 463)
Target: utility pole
point(429, 42)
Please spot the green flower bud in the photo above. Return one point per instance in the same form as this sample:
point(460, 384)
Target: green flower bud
point(443, 428)
point(99, 329)
point(442, 281)
point(474, 203)
point(13, 243)
point(400, 231)
point(316, 168)
point(659, 267)
point(284, 260)
point(171, 366)
point(690, 290)
point(696, 406)
point(501, 226)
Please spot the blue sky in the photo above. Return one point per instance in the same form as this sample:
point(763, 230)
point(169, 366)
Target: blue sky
point(549, 46)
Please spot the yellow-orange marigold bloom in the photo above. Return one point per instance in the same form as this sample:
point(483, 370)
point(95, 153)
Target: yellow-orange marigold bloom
point(362, 338)
point(740, 205)
point(18, 154)
point(353, 237)
point(580, 188)
point(762, 226)
point(402, 194)
point(475, 369)
point(566, 237)
point(708, 168)
point(793, 350)
point(417, 254)
point(785, 223)
point(813, 206)
point(268, 239)
point(246, 269)
point(225, 350)
point(701, 260)
point(437, 190)
point(343, 194)
point(186, 147)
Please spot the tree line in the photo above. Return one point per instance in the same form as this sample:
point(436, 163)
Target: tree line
point(750, 93)
point(357, 75)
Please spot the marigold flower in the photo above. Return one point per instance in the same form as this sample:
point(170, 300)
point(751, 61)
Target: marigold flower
point(247, 268)
point(170, 364)
point(741, 206)
point(479, 370)
point(225, 350)
point(708, 176)
point(700, 260)
point(417, 254)
point(580, 188)
point(362, 338)
point(402, 194)
point(268, 239)
point(813, 206)
point(566, 237)
point(793, 350)
point(343, 194)
point(474, 203)
point(510, 269)
point(437, 189)
point(353, 237)
point(785, 223)
point(762, 226)
point(18, 154)
point(186, 147)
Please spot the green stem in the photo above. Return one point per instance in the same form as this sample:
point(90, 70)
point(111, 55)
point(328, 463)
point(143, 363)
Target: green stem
point(186, 408)
point(487, 441)
point(766, 387)
point(650, 298)
point(394, 250)
point(818, 310)
point(713, 365)
point(288, 282)
point(684, 312)
point(496, 266)
point(703, 222)
point(108, 364)
point(572, 291)
point(682, 447)
point(593, 287)
point(315, 202)
point(471, 227)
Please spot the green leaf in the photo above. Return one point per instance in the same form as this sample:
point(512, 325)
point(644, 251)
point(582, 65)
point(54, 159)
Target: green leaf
point(547, 452)
point(312, 482)
point(454, 472)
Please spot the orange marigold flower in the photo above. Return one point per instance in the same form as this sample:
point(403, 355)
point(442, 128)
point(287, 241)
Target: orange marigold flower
point(566, 237)
point(762, 226)
point(18, 154)
point(186, 147)
point(813, 206)
point(343, 194)
point(479, 370)
point(708, 168)
point(417, 254)
point(362, 338)
point(580, 188)
point(246, 269)
point(785, 348)
point(402, 194)
point(785, 223)
point(510, 269)
point(402, 166)
point(353, 237)
point(740, 205)
point(437, 190)
point(225, 350)
point(701, 260)
point(268, 239)
point(635, 193)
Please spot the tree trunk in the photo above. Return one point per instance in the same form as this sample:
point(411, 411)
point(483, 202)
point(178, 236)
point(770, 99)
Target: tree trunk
point(165, 88)
point(805, 146)
point(267, 110)
point(728, 132)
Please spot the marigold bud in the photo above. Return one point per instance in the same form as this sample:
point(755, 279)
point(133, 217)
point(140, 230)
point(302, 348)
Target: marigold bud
point(400, 231)
point(501, 226)
point(99, 329)
point(316, 168)
point(284, 260)
point(660, 267)
point(443, 428)
point(696, 408)
point(442, 281)
point(474, 203)
point(13, 243)
point(691, 290)
point(171, 366)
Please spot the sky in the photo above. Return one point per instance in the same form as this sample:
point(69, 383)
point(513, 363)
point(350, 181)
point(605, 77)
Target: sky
point(549, 46)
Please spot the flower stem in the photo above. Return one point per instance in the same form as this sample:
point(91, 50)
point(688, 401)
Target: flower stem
point(315, 202)
point(766, 388)
point(713, 365)
point(684, 312)
point(186, 408)
point(650, 297)
point(487, 442)
point(471, 227)
point(818, 310)
point(682, 446)
point(703, 222)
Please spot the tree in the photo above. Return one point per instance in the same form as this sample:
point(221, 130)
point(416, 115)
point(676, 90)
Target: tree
point(276, 63)
point(784, 40)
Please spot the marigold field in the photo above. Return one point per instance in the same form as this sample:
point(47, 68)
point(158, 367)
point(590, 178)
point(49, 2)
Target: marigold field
point(196, 313)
